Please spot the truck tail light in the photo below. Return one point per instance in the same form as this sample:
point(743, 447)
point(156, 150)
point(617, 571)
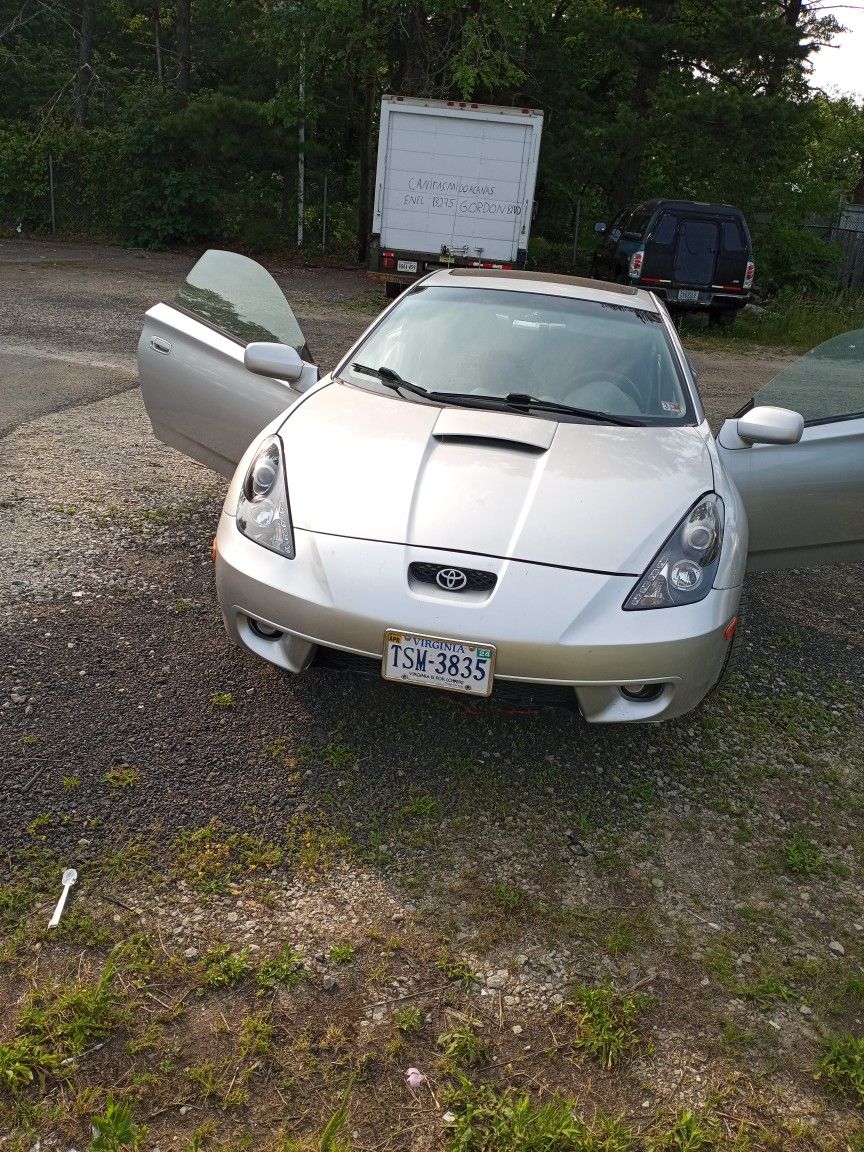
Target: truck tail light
point(388, 261)
point(636, 263)
point(749, 274)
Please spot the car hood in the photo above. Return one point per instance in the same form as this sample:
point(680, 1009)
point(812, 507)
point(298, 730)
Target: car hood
point(588, 496)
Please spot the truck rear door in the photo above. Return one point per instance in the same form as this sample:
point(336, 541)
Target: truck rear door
point(455, 180)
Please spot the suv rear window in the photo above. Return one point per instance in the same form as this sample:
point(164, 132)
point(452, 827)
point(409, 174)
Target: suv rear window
point(733, 237)
point(665, 231)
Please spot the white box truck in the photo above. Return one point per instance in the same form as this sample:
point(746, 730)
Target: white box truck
point(454, 185)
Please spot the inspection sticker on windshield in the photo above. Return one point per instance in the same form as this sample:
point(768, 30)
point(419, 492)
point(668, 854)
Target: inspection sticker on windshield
point(670, 406)
point(406, 265)
point(436, 662)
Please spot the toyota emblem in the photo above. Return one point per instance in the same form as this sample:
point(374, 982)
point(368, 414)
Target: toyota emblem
point(451, 579)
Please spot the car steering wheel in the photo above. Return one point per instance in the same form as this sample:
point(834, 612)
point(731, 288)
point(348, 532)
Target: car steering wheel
point(617, 379)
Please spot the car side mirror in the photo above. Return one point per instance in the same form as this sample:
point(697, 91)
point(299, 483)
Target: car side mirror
point(600, 227)
point(279, 360)
point(767, 425)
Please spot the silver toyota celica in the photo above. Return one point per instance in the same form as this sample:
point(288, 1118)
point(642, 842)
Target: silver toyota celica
point(507, 483)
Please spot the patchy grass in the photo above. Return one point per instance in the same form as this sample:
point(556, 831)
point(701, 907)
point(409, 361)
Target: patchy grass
point(224, 968)
point(604, 1022)
point(509, 1120)
point(793, 318)
point(801, 855)
point(842, 1065)
point(222, 700)
point(213, 856)
point(120, 776)
point(342, 953)
point(285, 969)
point(461, 1048)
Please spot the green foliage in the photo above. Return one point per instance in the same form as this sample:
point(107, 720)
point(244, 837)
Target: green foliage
point(640, 100)
point(224, 968)
point(116, 1131)
point(285, 969)
point(342, 953)
point(461, 1048)
point(689, 1133)
point(605, 1022)
point(510, 1121)
point(408, 1020)
point(801, 855)
point(842, 1065)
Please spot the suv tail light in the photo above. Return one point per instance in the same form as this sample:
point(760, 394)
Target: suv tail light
point(749, 274)
point(388, 261)
point(636, 263)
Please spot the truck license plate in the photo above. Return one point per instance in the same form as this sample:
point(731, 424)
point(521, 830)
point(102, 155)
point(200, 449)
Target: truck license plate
point(437, 662)
point(406, 265)
point(687, 296)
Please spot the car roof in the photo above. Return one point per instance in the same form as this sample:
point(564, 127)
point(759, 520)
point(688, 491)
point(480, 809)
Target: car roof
point(545, 283)
point(701, 205)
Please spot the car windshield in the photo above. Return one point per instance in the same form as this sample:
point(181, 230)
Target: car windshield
point(492, 343)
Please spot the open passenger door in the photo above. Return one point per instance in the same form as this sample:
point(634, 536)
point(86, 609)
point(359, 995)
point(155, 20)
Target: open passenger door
point(208, 385)
point(804, 499)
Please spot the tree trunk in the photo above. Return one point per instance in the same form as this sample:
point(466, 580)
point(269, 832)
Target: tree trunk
point(184, 41)
point(85, 62)
point(157, 36)
point(649, 70)
point(778, 73)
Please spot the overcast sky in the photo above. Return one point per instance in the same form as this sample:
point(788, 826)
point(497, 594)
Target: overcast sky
point(842, 68)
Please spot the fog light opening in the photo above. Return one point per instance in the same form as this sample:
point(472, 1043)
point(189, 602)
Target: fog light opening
point(641, 692)
point(264, 630)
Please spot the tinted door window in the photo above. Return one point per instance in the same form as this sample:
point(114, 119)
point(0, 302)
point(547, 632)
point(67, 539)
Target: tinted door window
point(665, 231)
point(696, 252)
point(733, 237)
point(639, 222)
point(238, 296)
point(826, 384)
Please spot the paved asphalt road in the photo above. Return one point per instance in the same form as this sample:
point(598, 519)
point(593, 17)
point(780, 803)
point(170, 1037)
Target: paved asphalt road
point(67, 339)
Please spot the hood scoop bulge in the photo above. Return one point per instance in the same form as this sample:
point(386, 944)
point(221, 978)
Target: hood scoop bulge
point(500, 427)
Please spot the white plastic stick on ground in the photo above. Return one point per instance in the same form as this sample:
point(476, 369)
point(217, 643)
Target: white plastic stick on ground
point(69, 878)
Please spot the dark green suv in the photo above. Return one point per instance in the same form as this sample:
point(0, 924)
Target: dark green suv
point(696, 257)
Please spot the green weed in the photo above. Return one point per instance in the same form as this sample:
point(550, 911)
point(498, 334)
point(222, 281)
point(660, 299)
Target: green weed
point(801, 855)
point(222, 700)
point(461, 1048)
point(605, 1021)
point(122, 776)
point(224, 968)
point(342, 953)
point(285, 969)
point(408, 1020)
point(116, 1131)
point(510, 1121)
point(842, 1065)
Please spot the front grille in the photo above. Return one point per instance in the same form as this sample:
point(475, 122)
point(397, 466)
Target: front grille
point(476, 580)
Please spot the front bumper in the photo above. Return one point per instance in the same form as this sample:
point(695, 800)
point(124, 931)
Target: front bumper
point(551, 626)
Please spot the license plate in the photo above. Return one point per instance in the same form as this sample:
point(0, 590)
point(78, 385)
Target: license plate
point(688, 295)
point(437, 662)
point(406, 265)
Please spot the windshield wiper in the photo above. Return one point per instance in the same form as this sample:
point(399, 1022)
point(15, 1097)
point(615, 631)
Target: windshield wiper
point(392, 379)
point(515, 401)
point(523, 403)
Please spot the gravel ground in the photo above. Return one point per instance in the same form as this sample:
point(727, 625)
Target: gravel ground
point(716, 864)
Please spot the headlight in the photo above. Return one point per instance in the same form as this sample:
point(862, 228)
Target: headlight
point(262, 510)
point(683, 570)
